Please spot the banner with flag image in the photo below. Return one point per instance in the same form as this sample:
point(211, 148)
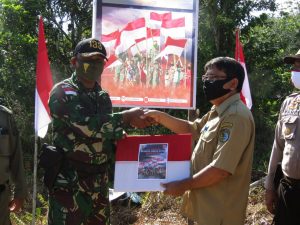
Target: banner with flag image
point(239, 56)
point(155, 45)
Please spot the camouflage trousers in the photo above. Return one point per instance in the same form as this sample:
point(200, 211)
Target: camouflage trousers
point(78, 208)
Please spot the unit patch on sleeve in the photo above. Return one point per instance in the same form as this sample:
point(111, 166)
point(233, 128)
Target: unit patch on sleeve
point(224, 133)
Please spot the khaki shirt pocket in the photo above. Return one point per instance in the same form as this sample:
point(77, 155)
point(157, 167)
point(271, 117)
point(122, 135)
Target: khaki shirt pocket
point(4, 145)
point(289, 127)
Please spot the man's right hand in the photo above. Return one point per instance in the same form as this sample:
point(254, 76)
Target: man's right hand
point(270, 200)
point(133, 117)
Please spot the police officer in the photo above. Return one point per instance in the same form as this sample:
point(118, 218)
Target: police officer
point(285, 201)
point(217, 191)
point(85, 129)
point(11, 167)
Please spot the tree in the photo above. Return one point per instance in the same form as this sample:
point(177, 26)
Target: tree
point(267, 41)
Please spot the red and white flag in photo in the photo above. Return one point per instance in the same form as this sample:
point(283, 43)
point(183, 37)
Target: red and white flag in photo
point(157, 18)
point(144, 162)
point(153, 35)
point(132, 31)
point(174, 28)
point(172, 46)
point(44, 85)
point(109, 40)
point(239, 56)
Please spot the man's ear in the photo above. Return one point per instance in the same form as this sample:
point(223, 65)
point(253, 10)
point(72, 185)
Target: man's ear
point(73, 61)
point(232, 84)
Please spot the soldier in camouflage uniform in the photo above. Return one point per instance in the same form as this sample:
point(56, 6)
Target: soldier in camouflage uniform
point(85, 128)
point(11, 167)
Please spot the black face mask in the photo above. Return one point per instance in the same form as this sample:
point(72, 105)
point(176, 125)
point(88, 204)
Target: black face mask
point(214, 89)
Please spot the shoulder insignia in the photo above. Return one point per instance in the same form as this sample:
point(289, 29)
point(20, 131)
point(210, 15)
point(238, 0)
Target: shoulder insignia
point(226, 124)
point(68, 89)
point(224, 134)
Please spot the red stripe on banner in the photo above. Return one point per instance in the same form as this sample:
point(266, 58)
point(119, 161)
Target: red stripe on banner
point(160, 17)
point(180, 22)
point(153, 32)
point(110, 37)
point(44, 81)
point(176, 42)
point(179, 146)
point(139, 23)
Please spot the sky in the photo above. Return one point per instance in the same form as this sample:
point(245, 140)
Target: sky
point(283, 5)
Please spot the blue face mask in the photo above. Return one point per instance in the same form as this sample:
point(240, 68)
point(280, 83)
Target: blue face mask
point(214, 89)
point(90, 70)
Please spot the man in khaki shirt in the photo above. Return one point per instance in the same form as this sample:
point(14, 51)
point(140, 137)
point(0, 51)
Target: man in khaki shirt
point(285, 201)
point(11, 167)
point(217, 192)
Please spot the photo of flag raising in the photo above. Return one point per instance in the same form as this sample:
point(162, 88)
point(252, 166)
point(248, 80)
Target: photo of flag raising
point(44, 85)
point(152, 52)
point(150, 160)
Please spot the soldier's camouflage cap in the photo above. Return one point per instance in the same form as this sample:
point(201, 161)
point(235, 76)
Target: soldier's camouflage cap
point(89, 47)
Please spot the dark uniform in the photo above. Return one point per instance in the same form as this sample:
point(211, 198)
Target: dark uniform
point(85, 128)
point(286, 149)
point(11, 164)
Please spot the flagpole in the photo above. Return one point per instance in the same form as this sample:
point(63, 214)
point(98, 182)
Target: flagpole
point(34, 190)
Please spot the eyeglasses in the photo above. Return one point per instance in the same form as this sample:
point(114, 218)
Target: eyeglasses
point(213, 77)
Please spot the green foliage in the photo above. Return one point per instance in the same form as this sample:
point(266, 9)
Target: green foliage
point(267, 42)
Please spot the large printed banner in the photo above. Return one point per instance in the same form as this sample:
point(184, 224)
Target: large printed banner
point(152, 51)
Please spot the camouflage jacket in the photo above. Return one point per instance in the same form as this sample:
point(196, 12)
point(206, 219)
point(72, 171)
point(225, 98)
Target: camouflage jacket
point(83, 126)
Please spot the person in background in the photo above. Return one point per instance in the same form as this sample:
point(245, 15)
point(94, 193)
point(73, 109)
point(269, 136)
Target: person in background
point(85, 128)
point(284, 201)
point(217, 191)
point(11, 167)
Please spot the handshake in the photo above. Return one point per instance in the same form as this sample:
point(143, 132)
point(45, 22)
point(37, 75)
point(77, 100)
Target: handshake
point(140, 118)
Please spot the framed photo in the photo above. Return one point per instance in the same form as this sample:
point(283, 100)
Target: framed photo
point(152, 51)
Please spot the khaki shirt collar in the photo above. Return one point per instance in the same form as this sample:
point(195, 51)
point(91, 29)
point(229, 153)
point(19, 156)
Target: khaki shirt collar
point(224, 105)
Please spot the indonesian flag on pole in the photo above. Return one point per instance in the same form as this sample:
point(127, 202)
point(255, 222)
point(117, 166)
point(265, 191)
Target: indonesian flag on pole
point(173, 46)
point(173, 28)
point(44, 85)
point(133, 30)
point(239, 56)
point(143, 44)
point(143, 162)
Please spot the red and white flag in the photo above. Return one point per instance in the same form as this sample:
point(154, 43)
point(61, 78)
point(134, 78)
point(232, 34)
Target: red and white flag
point(142, 44)
point(157, 18)
point(172, 46)
point(133, 30)
point(173, 28)
point(109, 40)
point(150, 160)
point(239, 56)
point(44, 85)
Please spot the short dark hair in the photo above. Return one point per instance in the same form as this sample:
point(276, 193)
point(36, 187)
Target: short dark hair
point(231, 67)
